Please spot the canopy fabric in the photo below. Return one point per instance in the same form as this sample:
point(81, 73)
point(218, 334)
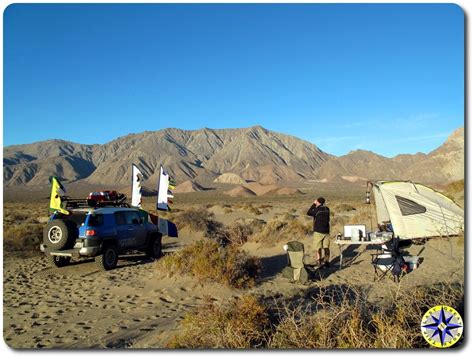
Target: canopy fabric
point(416, 211)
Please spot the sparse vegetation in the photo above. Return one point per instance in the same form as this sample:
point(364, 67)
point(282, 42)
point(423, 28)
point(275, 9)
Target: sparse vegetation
point(331, 317)
point(209, 262)
point(199, 220)
point(290, 228)
point(239, 324)
point(22, 232)
point(22, 237)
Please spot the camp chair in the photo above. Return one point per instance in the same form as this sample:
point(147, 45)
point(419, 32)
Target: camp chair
point(295, 270)
point(389, 260)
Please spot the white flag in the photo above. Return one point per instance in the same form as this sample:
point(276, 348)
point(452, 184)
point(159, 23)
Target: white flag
point(163, 187)
point(137, 178)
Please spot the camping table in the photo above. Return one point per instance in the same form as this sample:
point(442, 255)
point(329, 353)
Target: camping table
point(350, 242)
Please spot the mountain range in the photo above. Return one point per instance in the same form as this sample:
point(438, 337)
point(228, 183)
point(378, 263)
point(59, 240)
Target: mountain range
point(255, 153)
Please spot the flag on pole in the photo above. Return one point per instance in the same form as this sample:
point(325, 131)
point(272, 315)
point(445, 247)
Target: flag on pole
point(57, 191)
point(137, 179)
point(165, 187)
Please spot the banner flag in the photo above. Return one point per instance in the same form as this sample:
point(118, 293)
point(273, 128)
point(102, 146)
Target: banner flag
point(57, 191)
point(164, 192)
point(137, 179)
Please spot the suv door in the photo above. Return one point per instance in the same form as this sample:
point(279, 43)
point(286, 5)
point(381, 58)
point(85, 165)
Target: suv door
point(136, 228)
point(124, 230)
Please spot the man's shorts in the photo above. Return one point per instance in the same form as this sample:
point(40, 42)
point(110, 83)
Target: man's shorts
point(321, 241)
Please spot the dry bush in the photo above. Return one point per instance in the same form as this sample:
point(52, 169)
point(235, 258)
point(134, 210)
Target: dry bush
point(238, 324)
point(353, 322)
point(364, 215)
point(331, 317)
point(209, 262)
point(342, 207)
point(238, 233)
point(199, 220)
point(22, 237)
point(278, 230)
point(251, 209)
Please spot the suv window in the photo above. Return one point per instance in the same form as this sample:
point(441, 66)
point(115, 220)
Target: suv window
point(96, 220)
point(120, 218)
point(132, 217)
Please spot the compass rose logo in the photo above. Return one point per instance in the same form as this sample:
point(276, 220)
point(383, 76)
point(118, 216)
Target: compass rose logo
point(442, 326)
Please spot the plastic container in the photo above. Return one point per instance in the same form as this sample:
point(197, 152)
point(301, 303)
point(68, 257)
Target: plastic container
point(355, 235)
point(412, 262)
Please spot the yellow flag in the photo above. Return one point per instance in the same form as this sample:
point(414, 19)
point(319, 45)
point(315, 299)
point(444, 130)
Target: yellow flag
point(57, 190)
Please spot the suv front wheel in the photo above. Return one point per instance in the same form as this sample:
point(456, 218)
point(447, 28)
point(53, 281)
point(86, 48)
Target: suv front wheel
point(108, 259)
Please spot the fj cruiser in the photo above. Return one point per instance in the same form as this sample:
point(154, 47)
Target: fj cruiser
point(100, 231)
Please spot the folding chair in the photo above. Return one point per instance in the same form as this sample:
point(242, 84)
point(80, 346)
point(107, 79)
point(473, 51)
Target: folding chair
point(295, 270)
point(390, 259)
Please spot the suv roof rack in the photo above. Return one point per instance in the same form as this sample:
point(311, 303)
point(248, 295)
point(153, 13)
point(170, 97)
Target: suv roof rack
point(91, 203)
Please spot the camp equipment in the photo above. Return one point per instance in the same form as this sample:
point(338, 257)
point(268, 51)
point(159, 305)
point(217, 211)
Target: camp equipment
point(295, 271)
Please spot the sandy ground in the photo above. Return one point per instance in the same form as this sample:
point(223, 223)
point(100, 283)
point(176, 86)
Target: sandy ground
point(138, 306)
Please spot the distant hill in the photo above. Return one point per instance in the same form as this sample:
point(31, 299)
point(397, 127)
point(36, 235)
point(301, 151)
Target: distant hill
point(255, 154)
point(442, 165)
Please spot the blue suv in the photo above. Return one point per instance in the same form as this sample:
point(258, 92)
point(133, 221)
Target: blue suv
point(103, 233)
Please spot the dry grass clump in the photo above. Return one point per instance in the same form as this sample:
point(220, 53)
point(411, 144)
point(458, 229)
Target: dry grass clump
point(353, 322)
point(342, 207)
point(22, 237)
point(290, 228)
point(209, 262)
point(238, 324)
point(364, 214)
point(198, 220)
point(252, 209)
point(238, 233)
point(22, 232)
point(330, 317)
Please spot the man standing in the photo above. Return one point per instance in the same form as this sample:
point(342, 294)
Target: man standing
point(320, 241)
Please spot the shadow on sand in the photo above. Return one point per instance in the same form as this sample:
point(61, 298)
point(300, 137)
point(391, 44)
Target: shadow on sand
point(272, 266)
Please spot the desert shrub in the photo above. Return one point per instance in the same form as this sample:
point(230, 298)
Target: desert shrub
point(251, 209)
point(342, 207)
point(22, 237)
point(353, 322)
point(330, 317)
point(199, 220)
point(209, 262)
point(238, 233)
point(239, 324)
point(278, 230)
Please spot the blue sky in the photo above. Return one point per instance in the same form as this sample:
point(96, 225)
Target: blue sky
point(385, 78)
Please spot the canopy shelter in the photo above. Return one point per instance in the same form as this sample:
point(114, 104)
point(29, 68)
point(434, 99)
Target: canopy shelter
point(415, 210)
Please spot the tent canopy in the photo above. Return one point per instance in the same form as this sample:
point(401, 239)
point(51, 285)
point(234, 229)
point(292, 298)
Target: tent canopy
point(416, 211)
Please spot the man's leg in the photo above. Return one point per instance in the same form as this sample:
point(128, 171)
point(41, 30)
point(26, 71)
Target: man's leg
point(326, 250)
point(309, 251)
point(318, 239)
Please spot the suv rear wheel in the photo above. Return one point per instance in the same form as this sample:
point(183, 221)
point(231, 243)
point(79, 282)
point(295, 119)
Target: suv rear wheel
point(59, 261)
point(154, 247)
point(108, 259)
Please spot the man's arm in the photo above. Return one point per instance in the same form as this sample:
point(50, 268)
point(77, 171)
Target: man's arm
point(312, 210)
